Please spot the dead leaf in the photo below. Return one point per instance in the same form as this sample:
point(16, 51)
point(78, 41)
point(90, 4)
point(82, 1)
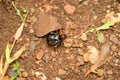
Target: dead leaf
point(45, 24)
point(19, 31)
point(103, 57)
point(17, 54)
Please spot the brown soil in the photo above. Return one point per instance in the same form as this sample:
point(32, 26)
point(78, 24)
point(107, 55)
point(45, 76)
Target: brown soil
point(63, 63)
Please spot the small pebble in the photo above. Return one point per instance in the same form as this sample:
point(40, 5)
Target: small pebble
point(77, 45)
point(57, 78)
point(116, 61)
point(68, 42)
point(53, 54)
point(72, 57)
point(37, 74)
point(70, 9)
point(31, 30)
point(110, 72)
point(32, 46)
point(33, 19)
point(85, 3)
point(80, 52)
point(39, 55)
point(80, 59)
point(24, 74)
point(67, 51)
point(94, 53)
point(100, 72)
point(76, 71)
point(48, 7)
point(86, 57)
point(22, 78)
point(83, 37)
point(77, 64)
point(32, 10)
point(114, 39)
point(32, 72)
point(40, 75)
point(6, 78)
point(62, 72)
point(114, 48)
point(46, 57)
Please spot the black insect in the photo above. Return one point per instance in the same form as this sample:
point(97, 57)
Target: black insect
point(54, 38)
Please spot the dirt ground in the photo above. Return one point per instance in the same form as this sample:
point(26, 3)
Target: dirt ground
point(67, 62)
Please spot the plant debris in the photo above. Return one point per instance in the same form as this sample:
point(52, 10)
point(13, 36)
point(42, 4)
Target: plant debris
point(45, 24)
point(103, 57)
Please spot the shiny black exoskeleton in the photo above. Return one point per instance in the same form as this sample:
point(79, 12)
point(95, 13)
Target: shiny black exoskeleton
point(53, 39)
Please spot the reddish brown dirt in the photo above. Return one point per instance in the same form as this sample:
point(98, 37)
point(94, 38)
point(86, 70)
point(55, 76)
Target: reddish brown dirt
point(62, 63)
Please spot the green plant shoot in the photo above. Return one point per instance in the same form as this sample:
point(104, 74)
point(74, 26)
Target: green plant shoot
point(23, 18)
point(103, 27)
point(17, 72)
point(7, 53)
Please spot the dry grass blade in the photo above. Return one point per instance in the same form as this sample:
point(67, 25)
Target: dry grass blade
point(103, 57)
point(19, 31)
point(17, 54)
point(6, 64)
point(1, 65)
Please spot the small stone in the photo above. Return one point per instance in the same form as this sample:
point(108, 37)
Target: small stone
point(67, 51)
point(114, 48)
point(77, 71)
point(32, 72)
point(85, 3)
point(80, 59)
point(22, 78)
point(116, 61)
point(83, 37)
point(77, 45)
point(80, 52)
point(57, 78)
point(24, 74)
point(77, 64)
point(28, 21)
point(70, 9)
point(53, 54)
point(100, 72)
point(33, 19)
point(72, 57)
point(32, 10)
point(39, 54)
point(62, 72)
point(32, 46)
point(46, 57)
point(94, 53)
point(86, 57)
point(6, 78)
point(110, 72)
point(47, 7)
point(68, 42)
point(31, 30)
point(114, 39)
point(37, 74)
